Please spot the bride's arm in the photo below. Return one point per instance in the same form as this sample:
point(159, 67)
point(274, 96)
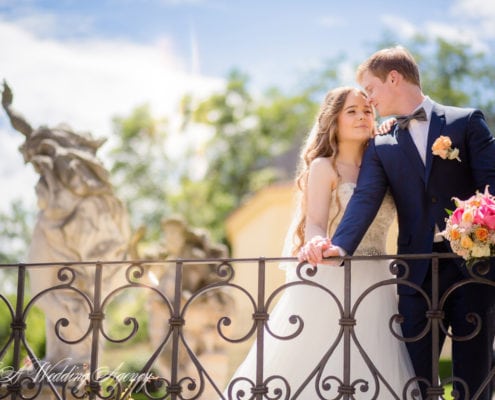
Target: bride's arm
point(322, 179)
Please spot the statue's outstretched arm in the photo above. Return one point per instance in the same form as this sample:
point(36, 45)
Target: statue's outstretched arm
point(18, 122)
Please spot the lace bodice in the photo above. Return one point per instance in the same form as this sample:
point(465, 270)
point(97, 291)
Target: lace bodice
point(374, 241)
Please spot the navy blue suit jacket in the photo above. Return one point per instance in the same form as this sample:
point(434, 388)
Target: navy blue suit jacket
point(421, 192)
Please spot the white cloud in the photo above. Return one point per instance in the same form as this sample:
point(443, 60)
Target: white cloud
point(459, 34)
point(347, 73)
point(83, 83)
point(17, 179)
point(399, 25)
point(462, 32)
point(480, 13)
point(474, 9)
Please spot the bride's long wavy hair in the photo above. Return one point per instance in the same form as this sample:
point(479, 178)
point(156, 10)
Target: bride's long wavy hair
point(321, 142)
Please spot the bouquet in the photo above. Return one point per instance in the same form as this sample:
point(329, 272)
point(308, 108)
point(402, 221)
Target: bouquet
point(470, 228)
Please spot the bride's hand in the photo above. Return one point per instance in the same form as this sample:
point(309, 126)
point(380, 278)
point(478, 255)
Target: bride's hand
point(312, 251)
point(384, 127)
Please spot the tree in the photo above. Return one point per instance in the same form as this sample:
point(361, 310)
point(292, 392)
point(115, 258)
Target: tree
point(454, 73)
point(15, 231)
point(141, 166)
point(241, 155)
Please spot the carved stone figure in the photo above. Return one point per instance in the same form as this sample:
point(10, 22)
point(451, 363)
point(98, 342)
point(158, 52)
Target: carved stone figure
point(184, 242)
point(79, 219)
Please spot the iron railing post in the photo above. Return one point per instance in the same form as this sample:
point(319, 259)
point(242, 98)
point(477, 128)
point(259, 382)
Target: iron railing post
point(96, 317)
point(260, 316)
point(435, 390)
point(18, 327)
point(346, 390)
point(176, 323)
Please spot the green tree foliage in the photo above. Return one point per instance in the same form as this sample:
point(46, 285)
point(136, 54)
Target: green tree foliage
point(242, 155)
point(15, 231)
point(454, 73)
point(457, 74)
point(35, 338)
point(141, 166)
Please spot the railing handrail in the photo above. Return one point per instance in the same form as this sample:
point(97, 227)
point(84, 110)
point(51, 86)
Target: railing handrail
point(99, 298)
point(228, 259)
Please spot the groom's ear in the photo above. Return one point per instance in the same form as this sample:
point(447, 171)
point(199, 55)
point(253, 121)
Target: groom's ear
point(394, 77)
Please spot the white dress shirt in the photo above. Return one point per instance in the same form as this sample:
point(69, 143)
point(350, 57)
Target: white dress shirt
point(419, 129)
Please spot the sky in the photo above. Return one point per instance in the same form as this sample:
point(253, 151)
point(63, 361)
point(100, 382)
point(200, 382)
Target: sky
point(83, 62)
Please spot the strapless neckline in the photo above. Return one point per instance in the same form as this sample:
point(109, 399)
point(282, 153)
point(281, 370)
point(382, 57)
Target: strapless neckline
point(374, 241)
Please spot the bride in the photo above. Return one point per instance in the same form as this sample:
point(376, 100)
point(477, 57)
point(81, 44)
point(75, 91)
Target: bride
point(310, 365)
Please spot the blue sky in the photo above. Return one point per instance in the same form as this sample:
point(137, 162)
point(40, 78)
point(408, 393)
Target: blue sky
point(272, 40)
point(85, 61)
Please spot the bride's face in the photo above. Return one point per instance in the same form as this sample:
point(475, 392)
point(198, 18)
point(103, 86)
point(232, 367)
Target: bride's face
point(356, 120)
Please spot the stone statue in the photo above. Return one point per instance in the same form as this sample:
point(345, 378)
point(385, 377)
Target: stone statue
point(181, 241)
point(79, 219)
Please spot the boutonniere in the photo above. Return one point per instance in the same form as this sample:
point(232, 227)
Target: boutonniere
point(442, 147)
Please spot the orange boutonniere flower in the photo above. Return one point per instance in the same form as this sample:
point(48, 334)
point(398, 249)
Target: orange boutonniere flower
point(442, 147)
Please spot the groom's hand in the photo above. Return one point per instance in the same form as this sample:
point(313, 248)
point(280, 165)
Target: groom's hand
point(312, 251)
point(333, 251)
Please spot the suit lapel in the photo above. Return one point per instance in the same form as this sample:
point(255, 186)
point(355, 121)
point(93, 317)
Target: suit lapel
point(437, 125)
point(410, 150)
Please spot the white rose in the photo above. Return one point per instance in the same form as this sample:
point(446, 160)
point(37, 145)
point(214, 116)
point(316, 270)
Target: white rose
point(480, 251)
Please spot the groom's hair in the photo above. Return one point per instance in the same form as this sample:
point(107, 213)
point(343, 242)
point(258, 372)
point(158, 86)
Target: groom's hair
point(395, 58)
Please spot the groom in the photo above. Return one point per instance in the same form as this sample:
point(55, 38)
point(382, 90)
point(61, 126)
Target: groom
point(423, 185)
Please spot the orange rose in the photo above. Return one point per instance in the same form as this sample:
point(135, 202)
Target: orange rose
point(442, 148)
point(441, 144)
point(466, 242)
point(455, 234)
point(481, 234)
point(467, 216)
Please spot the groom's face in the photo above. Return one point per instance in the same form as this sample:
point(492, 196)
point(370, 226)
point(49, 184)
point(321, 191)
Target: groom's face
point(380, 93)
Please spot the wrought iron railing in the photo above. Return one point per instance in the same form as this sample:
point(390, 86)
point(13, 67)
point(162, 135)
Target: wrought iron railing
point(149, 338)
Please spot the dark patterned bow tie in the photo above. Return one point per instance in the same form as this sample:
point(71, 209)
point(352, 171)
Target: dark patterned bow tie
point(403, 120)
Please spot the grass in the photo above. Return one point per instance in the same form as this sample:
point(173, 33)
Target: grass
point(445, 370)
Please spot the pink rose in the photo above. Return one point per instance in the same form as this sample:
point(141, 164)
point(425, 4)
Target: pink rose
point(487, 201)
point(456, 216)
point(488, 212)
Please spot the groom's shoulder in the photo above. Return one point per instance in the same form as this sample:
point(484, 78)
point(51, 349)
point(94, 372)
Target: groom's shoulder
point(454, 112)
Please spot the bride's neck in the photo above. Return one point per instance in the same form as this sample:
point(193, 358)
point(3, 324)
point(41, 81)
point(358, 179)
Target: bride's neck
point(349, 161)
point(349, 156)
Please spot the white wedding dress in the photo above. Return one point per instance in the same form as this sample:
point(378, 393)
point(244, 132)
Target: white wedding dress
point(297, 359)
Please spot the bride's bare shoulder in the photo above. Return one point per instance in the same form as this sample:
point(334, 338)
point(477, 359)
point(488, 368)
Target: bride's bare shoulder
point(321, 162)
point(322, 168)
